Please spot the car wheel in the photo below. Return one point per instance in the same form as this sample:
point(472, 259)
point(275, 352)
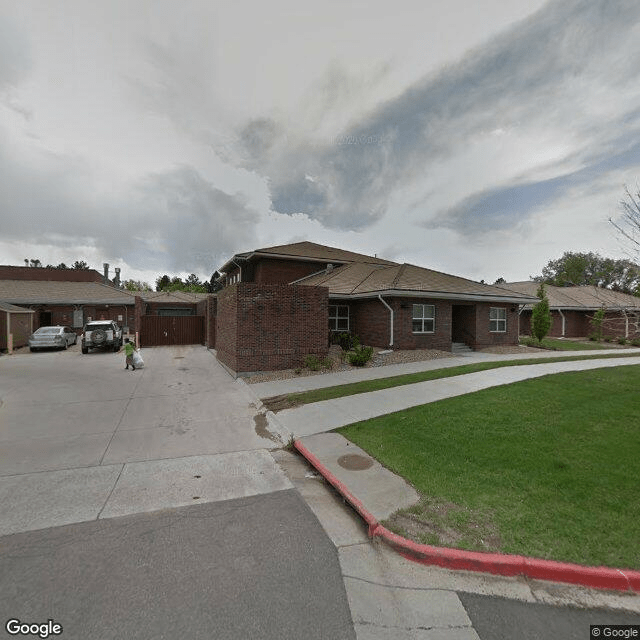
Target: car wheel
point(31, 349)
point(85, 350)
point(98, 336)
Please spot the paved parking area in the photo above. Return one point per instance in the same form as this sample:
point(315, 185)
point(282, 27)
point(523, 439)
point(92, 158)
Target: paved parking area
point(81, 437)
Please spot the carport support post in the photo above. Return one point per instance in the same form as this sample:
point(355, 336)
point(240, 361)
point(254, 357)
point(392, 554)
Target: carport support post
point(9, 342)
point(137, 340)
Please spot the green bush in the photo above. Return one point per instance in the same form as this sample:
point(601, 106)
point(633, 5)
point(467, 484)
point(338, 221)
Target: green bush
point(360, 355)
point(622, 340)
point(636, 342)
point(607, 338)
point(312, 362)
point(315, 364)
point(345, 340)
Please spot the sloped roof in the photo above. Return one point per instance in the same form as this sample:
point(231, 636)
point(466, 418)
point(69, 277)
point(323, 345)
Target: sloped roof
point(172, 296)
point(586, 297)
point(12, 308)
point(366, 280)
point(52, 292)
point(307, 250)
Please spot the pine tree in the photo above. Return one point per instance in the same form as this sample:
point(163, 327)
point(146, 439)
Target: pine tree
point(541, 317)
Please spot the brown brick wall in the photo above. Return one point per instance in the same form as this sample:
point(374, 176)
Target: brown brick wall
point(282, 271)
point(484, 337)
point(370, 321)
point(264, 327)
point(578, 325)
point(8, 272)
point(211, 304)
point(227, 326)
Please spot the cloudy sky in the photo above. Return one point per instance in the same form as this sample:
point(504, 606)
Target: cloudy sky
point(163, 136)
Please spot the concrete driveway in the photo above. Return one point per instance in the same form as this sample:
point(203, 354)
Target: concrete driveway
point(82, 438)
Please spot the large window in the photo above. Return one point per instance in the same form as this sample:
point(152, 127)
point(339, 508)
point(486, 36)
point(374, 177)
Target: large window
point(338, 317)
point(497, 319)
point(424, 318)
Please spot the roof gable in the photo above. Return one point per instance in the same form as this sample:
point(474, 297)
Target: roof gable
point(309, 251)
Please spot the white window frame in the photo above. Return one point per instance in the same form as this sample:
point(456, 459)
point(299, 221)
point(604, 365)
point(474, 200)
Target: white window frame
point(497, 319)
point(427, 314)
point(335, 317)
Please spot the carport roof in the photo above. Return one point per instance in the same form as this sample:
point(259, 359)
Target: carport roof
point(52, 292)
point(12, 308)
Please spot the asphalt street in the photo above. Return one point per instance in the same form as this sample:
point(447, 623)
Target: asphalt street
point(257, 567)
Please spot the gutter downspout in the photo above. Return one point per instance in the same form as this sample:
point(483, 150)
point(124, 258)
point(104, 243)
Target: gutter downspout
point(391, 313)
point(563, 321)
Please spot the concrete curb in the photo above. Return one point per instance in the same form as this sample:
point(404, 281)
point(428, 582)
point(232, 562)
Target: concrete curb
point(495, 563)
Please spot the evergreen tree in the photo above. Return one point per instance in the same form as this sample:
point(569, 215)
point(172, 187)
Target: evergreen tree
point(541, 316)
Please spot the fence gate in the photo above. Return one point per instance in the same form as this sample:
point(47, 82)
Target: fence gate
point(169, 330)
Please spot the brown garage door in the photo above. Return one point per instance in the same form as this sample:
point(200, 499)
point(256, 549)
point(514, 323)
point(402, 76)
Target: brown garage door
point(168, 330)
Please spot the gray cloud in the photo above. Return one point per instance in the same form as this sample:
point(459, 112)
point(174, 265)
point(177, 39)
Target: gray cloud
point(172, 220)
point(536, 75)
point(15, 55)
point(192, 225)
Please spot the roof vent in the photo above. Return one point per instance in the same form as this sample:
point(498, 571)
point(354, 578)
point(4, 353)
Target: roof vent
point(329, 267)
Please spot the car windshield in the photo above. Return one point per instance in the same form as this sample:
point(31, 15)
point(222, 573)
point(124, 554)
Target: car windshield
point(48, 330)
point(93, 327)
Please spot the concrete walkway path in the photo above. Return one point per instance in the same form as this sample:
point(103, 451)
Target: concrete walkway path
point(320, 417)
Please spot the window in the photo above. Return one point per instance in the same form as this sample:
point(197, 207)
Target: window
point(338, 317)
point(424, 318)
point(497, 319)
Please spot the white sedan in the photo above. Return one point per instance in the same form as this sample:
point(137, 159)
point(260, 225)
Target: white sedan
point(52, 337)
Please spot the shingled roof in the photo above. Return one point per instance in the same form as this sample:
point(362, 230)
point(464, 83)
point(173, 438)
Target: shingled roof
point(51, 292)
point(585, 297)
point(307, 250)
point(360, 280)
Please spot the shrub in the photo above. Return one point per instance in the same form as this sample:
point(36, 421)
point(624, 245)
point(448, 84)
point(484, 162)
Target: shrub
point(622, 340)
point(345, 340)
point(312, 362)
point(541, 316)
point(360, 355)
point(607, 338)
point(636, 342)
point(596, 323)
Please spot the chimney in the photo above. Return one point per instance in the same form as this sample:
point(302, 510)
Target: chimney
point(116, 280)
point(105, 266)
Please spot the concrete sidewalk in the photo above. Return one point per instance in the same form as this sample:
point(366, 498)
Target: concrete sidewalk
point(320, 417)
point(321, 381)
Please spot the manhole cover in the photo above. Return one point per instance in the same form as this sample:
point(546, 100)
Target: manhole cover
point(354, 462)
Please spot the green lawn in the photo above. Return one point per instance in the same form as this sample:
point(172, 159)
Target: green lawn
point(278, 403)
point(548, 467)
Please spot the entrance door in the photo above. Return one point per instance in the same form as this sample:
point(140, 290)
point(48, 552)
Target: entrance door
point(44, 319)
point(463, 323)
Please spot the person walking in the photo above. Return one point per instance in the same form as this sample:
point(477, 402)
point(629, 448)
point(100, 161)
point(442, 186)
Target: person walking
point(128, 352)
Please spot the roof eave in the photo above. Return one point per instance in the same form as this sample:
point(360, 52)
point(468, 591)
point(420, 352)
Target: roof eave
point(444, 295)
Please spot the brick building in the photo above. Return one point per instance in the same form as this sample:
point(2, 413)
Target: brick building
point(284, 302)
point(573, 308)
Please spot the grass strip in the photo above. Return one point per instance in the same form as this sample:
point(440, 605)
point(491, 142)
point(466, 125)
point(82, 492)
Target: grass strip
point(278, 403)
point(546, 467)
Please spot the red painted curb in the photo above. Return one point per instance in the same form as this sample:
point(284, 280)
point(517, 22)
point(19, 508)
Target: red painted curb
point(495, 563)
